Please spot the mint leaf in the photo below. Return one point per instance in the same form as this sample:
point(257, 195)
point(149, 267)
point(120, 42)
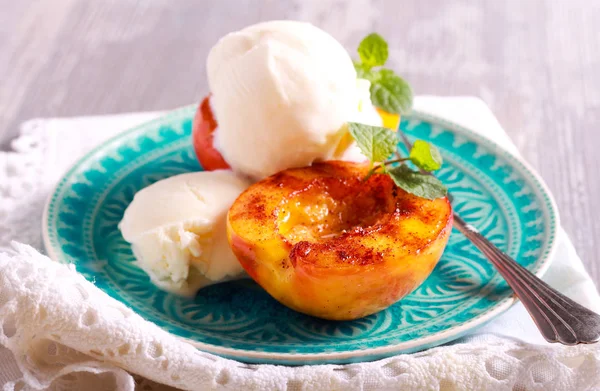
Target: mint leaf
point(421, 185)
point(391, 93)
point(359, 69)
point(373, 51)
point(425, 156)
point(363, 73)
point(376, 143)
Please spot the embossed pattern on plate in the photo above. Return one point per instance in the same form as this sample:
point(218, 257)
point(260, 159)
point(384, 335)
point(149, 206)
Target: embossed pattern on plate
point(492, 190)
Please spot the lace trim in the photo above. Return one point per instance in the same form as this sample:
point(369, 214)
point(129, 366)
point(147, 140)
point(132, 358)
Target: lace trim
point(89, 336)
point(24, 185)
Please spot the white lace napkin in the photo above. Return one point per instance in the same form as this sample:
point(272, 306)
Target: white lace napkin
point(60, 332)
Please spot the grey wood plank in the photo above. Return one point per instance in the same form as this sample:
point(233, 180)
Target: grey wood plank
point(534, 62)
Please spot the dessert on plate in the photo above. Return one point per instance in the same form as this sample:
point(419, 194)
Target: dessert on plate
point(304, 187)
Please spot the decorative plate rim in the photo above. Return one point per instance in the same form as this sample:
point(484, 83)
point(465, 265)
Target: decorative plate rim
point(552, 220)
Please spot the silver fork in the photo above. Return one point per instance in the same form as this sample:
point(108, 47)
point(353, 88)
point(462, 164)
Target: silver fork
point(558, 318)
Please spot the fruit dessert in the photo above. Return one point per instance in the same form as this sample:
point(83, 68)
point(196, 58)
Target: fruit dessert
point(326, 242)
point(338, 224)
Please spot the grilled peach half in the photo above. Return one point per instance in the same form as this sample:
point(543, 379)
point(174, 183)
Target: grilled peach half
point(325, 242)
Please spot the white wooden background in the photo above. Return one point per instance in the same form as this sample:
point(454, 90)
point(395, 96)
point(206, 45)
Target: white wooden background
point(535, 62)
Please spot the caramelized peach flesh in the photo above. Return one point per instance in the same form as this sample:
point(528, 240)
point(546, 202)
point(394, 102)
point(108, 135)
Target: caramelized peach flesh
point(326, 243)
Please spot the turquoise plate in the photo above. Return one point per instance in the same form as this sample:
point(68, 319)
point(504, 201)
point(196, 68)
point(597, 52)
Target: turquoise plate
point(493, 190)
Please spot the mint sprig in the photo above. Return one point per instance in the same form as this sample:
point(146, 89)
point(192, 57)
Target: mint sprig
point(417, 183)
point(389, 91)
point(373, 51)
point(375, 142)
point(425, 156)
point(393, 94)
point(378, 144)
point(363, 73)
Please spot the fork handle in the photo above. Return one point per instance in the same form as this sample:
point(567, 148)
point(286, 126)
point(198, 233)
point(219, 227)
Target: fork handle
point(558, 318)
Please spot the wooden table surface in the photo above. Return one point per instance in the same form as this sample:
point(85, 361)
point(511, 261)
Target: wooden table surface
point(535, 62)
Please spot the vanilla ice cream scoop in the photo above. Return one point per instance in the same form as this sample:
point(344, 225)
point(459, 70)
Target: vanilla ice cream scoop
point(177, 230)
point(281, 93)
